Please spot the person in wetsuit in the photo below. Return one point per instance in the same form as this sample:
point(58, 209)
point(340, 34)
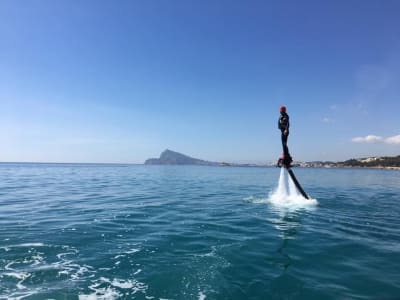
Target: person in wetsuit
point(283, 125)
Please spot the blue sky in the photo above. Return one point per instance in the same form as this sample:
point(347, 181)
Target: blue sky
point(120, 81)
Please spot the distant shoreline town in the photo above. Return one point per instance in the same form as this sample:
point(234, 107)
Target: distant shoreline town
point(169, 157)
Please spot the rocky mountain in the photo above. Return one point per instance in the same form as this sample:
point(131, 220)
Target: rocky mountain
point(169, 157)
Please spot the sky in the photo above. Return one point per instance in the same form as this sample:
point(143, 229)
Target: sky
point(121, 81)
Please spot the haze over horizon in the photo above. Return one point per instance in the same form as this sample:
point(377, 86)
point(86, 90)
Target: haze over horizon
point(100, 81)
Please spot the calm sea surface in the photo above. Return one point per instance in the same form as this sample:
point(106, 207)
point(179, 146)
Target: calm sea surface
point(70, 231)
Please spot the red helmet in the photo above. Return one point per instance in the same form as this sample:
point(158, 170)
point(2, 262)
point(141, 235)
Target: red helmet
point(282, 108)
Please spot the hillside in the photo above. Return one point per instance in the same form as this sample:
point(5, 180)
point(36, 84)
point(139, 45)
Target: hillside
point(385, 161)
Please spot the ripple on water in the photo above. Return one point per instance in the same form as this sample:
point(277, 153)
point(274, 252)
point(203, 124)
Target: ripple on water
point(110, 232)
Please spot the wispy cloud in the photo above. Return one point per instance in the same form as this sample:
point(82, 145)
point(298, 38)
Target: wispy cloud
point(372, 139)
point(377, 84)
point(393, 140)
point(332, 111)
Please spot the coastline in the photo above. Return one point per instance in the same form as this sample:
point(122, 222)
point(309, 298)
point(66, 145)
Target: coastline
point(229, 165)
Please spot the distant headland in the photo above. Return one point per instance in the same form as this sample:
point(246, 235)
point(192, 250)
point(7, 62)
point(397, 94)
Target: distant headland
point(169, 157)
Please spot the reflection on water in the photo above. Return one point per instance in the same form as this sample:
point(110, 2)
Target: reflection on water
point(288, 224)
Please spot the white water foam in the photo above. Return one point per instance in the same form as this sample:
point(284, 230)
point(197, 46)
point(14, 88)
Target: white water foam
point(107, 293)
point(107, 289)
point(286, 194)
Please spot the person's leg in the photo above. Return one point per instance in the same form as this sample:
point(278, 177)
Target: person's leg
point(284, 144)
point(287, 160)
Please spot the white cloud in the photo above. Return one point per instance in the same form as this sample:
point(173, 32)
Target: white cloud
point(368, 139)
point(393, 140)
point(371, 139)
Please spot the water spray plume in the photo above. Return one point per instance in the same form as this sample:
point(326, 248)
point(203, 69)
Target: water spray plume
point(287, 195)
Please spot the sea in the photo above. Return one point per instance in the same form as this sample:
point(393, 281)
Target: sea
point(106, 231)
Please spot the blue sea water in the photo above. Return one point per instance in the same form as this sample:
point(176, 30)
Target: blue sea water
point(70, 231)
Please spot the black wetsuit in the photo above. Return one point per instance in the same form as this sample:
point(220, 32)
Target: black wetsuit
point(283, 125)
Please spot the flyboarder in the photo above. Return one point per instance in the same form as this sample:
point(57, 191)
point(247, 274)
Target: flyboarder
point(283, 125)
point(286, 159)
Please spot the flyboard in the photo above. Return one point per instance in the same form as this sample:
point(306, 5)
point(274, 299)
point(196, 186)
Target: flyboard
point(285, 162)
